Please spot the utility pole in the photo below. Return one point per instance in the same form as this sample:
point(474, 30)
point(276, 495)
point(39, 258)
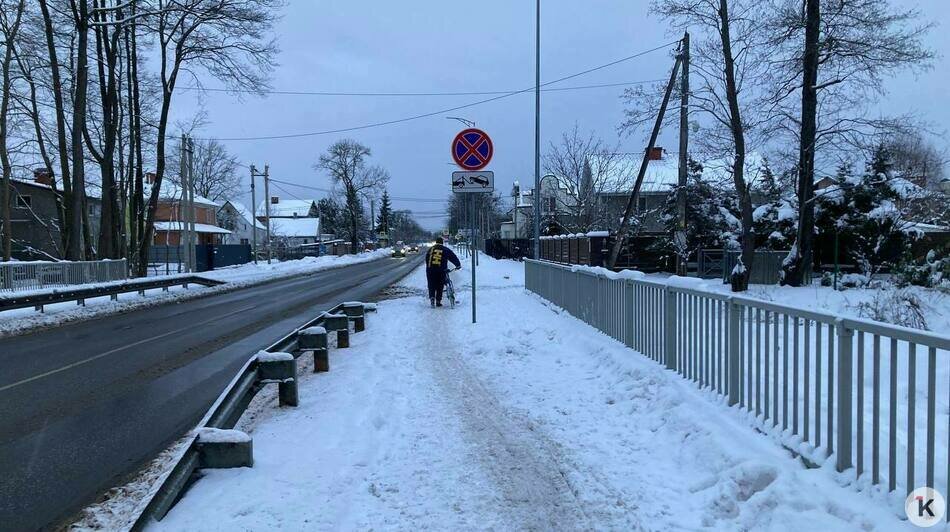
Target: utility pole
point(182, 208)
point(372, 219)
point(622, 230)
point(267, 210)
point(253, 214)
point(537, 132)
point(680, 238)
point(192, 235)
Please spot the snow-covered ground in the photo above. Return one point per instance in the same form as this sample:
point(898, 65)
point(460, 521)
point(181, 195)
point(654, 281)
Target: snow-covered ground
point(14, 321)
point(528, 419)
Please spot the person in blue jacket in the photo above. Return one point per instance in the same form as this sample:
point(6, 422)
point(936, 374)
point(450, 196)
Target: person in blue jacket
point(437, 265)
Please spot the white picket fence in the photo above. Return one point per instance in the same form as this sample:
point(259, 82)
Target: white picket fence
point(22, 276)
point(874, 397)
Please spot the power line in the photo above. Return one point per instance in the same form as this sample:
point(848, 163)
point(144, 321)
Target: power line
point(329, 191)
point(414, 94)
point(447, 110)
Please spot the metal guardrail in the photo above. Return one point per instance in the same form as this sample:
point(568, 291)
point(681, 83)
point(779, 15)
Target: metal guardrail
point(17, 276)
point(863, 392)
point(227, 410)
point(80, 295)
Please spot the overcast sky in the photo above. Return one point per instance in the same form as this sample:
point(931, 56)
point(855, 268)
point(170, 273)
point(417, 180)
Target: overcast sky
point(433, 46)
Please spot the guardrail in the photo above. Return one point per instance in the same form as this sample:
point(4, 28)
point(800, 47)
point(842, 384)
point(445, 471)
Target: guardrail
point(267, 367)
point(853, 389)
point(80, 295)
point(16, 276)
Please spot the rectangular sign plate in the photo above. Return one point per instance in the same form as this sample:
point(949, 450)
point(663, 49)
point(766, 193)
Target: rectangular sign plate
point(473, 182)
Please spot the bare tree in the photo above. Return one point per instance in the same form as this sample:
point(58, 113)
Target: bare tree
point(847, 51)
point(226, 38)
point(10, 18)
point(585, 168)
point(345, 162)
point(728, 59)
point(216, 175)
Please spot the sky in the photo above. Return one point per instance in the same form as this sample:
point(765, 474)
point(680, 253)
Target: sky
point(437, 46)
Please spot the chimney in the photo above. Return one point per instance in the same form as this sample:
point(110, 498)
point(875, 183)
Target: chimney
point(43, 176)
point(274, 200)
point(656, 154)
point(150, 178)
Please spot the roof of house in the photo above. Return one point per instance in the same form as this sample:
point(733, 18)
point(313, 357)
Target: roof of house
point(285, 208)
point(245, 213)
point(172, 192)
point(199, 228)
point(295, 227)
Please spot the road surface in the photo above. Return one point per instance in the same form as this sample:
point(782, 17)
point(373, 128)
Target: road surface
point(84, 405)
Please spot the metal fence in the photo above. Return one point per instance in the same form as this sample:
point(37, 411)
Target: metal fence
point(19, 276)
point(873, 396)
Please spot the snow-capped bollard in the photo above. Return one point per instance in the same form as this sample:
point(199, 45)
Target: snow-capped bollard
point(223, 448)
point(315, 339)
point(282, 369)
point(369, 307)
point(354, 311)
point(339, 323)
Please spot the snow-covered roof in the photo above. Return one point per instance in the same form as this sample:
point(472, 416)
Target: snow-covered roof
point(295, 227)
point(199, 228)
point(663, 174)
point(285, 208)
point(172, 192)
point(245, 213)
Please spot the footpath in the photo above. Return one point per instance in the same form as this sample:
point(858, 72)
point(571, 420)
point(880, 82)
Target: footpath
point(527, 420)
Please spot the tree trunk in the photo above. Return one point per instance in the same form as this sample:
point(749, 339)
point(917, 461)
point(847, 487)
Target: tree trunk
point(69, 226)
point(799, 260)
point(79, 242)
point(11, 35)
point(740, 276)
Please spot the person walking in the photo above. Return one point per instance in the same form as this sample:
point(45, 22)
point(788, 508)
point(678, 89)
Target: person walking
point(437, 266)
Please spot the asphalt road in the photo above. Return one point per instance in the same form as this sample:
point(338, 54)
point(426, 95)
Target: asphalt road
point(84, 405)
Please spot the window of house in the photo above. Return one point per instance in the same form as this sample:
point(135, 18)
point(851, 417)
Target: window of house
point(244, 242)
point(24, 202)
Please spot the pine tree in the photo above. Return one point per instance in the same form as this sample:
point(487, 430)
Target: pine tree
point(384, 219)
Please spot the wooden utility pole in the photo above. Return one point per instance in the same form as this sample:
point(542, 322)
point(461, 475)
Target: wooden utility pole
point(253, 214)
point(631, 201)
point(267, 210)
point(680, 238)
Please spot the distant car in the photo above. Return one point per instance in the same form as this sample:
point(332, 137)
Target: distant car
point(413, 249)
point(399, 251)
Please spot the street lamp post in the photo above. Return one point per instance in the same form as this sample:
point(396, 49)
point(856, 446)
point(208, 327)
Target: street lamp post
point(537, 132)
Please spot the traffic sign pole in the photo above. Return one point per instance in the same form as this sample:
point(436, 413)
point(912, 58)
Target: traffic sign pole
point(471, 244)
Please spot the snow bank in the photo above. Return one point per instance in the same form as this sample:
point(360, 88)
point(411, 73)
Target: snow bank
point(20, 320)
point(313, 330)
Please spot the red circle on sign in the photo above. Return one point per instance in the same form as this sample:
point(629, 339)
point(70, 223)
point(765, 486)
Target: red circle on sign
point(472, 149)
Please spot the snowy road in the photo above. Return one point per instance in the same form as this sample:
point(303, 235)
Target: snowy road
point(529, 420)
point(84, 404)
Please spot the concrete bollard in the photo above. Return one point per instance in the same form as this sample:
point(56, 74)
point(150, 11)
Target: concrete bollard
point(369, 307)
point(223, 448)
point(282, 369)
point(315, 339)
point(339, 323)
point(355, 312)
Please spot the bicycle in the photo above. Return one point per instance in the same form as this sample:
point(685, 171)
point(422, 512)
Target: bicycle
point(450, 288)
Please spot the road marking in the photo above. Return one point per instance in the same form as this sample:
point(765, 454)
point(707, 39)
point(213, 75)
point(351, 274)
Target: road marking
point(117, 349)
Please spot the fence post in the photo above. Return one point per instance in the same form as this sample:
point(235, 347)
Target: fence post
point(669, 328)
point(845, 356)
point(732, 344)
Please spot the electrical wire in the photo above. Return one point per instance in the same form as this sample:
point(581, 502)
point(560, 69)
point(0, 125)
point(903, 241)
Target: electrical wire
point(267, 92)
point(446, 110)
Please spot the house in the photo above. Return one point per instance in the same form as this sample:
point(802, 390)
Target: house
point(293, 222)
point(34, 217)
point(293, 232)
point(168, 217)
point(238, 219)
point(284, 208)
